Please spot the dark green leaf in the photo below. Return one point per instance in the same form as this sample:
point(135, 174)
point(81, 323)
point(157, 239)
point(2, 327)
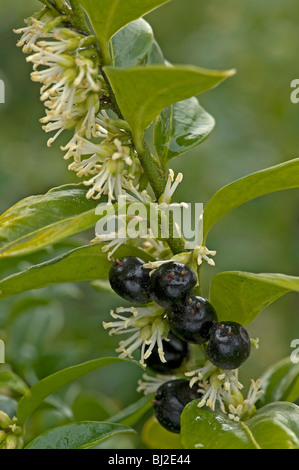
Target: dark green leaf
point(134, 412)
point(276, 178)
point(82, 435)
point(82, 264)
point(54, 382)
point(280, 382)
point(240, 296)
point(143, 92)
point(40, 221)
point(181, 127)
point(275, 426)
point(131, 44)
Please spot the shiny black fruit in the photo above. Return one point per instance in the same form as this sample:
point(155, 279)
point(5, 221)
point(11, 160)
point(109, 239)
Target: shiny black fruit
point(229, 345)
point(129, 279)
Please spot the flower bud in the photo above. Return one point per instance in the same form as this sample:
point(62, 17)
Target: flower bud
point(5, 420)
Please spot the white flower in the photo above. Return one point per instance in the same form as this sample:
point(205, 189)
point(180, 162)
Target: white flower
point(149, 384)
point(201, 253)
point(146, 326)
point(222, 387)
point(42, 25)
point(109, 162)
point(170, 187)
point(217, 386)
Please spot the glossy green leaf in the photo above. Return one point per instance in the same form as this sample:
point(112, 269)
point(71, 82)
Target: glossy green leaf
point(132, 43)
point(12, 381)
point(108, 17)
point(45, 387)
point(82, 435)
point(181, 127)
point(157, 437)
point(240, 296)
point(280, 382)
point(131, 415)
point(275, 426)
point(40, 221)
point(143, 92)
point(82, 264)
point(276, 178)
point(8, 405)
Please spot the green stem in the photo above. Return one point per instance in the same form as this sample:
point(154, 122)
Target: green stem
point(79, 18)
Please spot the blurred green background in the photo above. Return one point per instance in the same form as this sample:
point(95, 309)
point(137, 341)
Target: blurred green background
point(256, 126)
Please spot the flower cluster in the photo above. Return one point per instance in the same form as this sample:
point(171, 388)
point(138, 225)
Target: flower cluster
point(146, 326)
point(222, 387)
point(67, 64)
point(10, 433)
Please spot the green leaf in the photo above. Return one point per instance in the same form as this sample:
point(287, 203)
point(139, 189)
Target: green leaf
point(181, 127)
point(275, 426)
point(86, 263)
point(82, 435)
point(157, 437)
point(45, 387)
point(89, 406)
point(134, 412)
point(40, 221)
point(12, 381)
point(8, 405)
point(276, 178)
point(143, 92)
point(108, 17)
point(280, 382)
point(240, 296)
point(155, 55)
point(131, 44)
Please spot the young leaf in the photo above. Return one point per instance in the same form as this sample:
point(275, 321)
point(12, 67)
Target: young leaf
point(131, 44)
point(143, 92)
point(81, 435)
point(9, 379)
point(40, 221)
point(54, 382)
point(280, 382)
point(240, 296)
point(181, 127)
point(108, 17)
point(276, 178)
point(275, 426)
point(86, 263)
point(157, 437)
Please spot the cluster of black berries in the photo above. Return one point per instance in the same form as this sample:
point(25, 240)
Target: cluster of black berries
point(192, 319)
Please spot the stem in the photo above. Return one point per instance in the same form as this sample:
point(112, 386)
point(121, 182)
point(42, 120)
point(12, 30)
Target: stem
point(79, 18)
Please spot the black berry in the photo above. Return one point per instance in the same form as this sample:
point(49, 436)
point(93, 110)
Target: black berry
point(129, 279)
point(170, 400)
point(229, 345)
point(175, 351)
point(171, 283)
point(193, 319)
